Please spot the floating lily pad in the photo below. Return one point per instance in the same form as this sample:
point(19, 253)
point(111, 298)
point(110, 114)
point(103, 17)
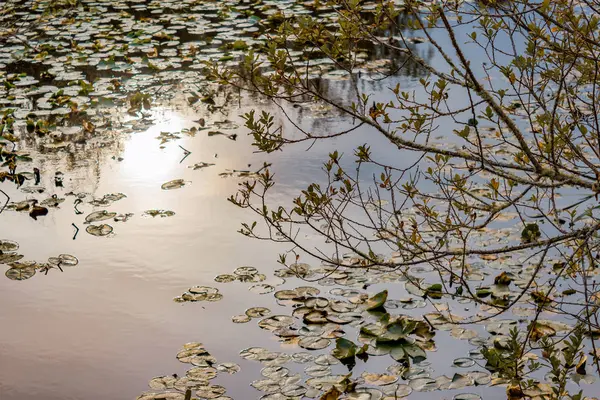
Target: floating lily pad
point(262, 288)
point(313, 343)
point(8, 245)
point(210, 391)
point(424, 384)
point(276, 322)
point(318, 370)
point(467, 396)
point(202, 373)
point(20, 274)
point(229, 368)
point(258, 312)
point(379, 379)
point(240, 319)
point(162, 396)
point(100, 216)
point(400, 391)
point(225, 278)
point(200, 293)
point(99, 230)
point(245, 271)
point(162, 382)
point(7, 258)
point(464, 362)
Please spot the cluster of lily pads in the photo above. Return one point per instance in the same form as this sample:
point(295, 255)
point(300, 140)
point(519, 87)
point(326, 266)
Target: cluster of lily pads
point(199, 293)
point(21, 270)
point(318, 322)
point(196, 380)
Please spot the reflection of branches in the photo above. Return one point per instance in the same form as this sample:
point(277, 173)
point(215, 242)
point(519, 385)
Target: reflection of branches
point(520, 138)
point(6, 202)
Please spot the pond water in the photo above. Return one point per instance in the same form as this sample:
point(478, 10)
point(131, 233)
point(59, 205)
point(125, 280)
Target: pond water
point(102, 329)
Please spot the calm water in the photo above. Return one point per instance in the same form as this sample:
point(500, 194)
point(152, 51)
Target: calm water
point(102, 329)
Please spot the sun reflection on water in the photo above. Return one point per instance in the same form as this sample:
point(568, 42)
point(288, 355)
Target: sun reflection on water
point(145, 163)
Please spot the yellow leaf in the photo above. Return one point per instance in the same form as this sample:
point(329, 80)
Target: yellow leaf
point(331, 394)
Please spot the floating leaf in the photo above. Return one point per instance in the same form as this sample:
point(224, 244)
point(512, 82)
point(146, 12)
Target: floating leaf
point(344, 349)
point(466, 396)
point(100, 216)
point(99, 230)
point(201, 165)
point(378, 379)
point(174, 184)
point(276, 322)
point(313, 343)
point(210, 391)
point(245, 271)
point(318, 370)
point(240, 319)
point(261, 288)
point(20, 274)
point(399, 392)
point(377, 301)
point(200, 293)
point(229, 368)
point(424, 384)
point(158, 213)
point(464, 362)
point(225, 278)
point(8, 245)
point(258, 312)
point(202, 373)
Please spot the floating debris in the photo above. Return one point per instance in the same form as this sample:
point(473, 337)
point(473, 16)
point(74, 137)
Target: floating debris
point(174, 184)
point(201, 165)
point(158, 213)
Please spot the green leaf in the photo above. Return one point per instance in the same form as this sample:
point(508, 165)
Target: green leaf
point(377, 301)
point(344, 349)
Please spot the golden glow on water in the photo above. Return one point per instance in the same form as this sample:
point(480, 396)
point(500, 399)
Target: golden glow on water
point(144, 162)
point(103, 329)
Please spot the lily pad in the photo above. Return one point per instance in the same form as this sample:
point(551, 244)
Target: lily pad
point(20, 274)
point(240, 319)
point(258, 312)
point(229, 368)
point(313, 343)
point(210, 391)
point(225, 278)
point(100, 216)
point(464, 362)
point(8, 245)
point(99, 230)
point(377, 301)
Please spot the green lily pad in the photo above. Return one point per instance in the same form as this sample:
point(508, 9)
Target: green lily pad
point(344, 349)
